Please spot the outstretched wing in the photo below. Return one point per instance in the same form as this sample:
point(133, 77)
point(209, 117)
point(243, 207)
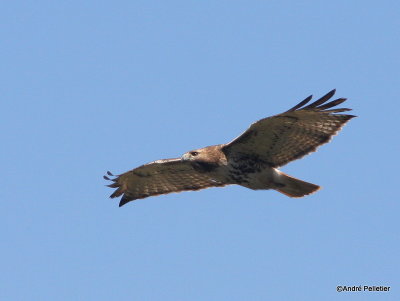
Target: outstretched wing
point(159, 177)
point(282, 138)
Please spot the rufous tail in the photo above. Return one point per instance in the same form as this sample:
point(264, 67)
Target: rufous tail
point(293, 187)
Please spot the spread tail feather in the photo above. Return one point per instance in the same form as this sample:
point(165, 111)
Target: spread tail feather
point(293, 187)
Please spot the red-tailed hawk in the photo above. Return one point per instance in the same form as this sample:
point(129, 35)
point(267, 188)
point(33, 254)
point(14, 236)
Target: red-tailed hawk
point(251, 160)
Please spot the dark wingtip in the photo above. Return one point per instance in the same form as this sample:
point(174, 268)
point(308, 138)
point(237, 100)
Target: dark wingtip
point(300, 104)
point(320, 101)
point(109, 173)
point(123, 201)
point(330, 93)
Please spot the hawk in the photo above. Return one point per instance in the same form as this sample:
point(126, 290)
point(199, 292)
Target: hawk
point(251, 160)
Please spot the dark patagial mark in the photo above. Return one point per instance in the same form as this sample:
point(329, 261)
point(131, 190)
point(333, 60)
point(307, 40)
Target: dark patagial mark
point(202, 166)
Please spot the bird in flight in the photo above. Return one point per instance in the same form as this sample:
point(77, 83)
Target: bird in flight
point(251, 160)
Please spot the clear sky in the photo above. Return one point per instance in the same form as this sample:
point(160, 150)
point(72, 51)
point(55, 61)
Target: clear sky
point(91, 86)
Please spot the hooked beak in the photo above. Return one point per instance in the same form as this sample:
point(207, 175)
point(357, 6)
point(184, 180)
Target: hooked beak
point(186, 157)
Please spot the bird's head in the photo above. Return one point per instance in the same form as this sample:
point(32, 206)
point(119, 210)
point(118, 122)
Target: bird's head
point(193, 155)
point(209, 154)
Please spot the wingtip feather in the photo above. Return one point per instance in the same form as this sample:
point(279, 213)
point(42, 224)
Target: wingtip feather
point(300, 104)
point(124, 201)
point(321, 104)
point(320, 101)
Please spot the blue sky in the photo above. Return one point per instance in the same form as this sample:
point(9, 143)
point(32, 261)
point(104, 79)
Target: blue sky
point(98, 85)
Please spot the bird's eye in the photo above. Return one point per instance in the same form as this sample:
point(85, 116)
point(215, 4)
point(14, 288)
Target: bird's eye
point(194, 153)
